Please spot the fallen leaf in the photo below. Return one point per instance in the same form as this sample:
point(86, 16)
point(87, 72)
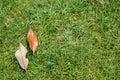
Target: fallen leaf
point(20, 54)
point(32, 39)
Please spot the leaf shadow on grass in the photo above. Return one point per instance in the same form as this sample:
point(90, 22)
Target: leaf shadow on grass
point(28, 48)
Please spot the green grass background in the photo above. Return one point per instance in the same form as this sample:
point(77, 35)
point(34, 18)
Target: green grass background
point(78, 39)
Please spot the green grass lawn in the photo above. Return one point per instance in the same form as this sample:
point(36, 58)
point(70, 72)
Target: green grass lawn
point(78, 39)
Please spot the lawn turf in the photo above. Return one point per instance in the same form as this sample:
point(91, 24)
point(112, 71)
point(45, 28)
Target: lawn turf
point(78, 39)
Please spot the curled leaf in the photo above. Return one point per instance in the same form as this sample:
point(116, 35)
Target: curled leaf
point(32, 40)
point(20, 54)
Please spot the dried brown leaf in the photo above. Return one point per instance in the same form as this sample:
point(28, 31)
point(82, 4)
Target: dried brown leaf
point(32, 39)
point(21, 56)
